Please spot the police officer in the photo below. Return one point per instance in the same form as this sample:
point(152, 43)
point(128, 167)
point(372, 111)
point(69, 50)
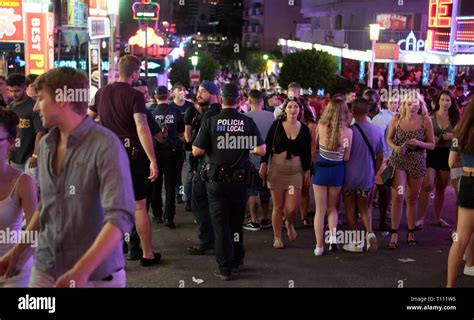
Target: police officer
point(167, 155)
point(208, 105)
point(227, 139)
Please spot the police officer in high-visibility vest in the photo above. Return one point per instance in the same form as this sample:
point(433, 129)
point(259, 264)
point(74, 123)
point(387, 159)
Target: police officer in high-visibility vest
point(226, 140)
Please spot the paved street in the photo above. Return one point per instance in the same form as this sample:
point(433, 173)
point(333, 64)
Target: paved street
point(297, 266)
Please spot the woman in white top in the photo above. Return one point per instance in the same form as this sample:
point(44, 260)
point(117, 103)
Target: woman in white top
point(18, 199)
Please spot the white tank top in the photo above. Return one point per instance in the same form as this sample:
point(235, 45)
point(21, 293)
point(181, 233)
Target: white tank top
point(11, 216)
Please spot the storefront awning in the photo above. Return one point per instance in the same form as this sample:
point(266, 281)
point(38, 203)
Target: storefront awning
point(74, 37)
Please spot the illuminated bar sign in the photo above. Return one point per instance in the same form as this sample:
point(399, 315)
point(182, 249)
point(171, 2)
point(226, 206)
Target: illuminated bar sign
point(37, 49)
point(146, 10)
point(465, 30)
point(387, 51)
point(99, 27)
point(11, 21)
point(440, 17)
point(98, 8)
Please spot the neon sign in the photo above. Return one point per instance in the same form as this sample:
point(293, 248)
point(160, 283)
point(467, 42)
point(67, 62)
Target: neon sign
point(411, 43)
point(440, 15)
point(153, 39)
point(146, 10)
point(465, 30)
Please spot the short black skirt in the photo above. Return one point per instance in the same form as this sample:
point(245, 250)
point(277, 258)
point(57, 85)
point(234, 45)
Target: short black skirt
point(437, 159)
point(466, 193)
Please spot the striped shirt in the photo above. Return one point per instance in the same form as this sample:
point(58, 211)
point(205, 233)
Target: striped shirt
point(331, 155)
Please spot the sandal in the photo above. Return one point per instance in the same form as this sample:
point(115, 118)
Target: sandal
point(307, 222)
point(393, 244)
point(411, 242)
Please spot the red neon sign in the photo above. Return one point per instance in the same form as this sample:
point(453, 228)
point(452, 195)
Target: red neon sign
point(440, 13)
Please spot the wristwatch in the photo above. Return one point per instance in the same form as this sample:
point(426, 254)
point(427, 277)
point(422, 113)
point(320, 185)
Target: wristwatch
point(34, 156)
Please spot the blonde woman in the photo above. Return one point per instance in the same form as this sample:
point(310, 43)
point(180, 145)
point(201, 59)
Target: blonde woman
point(289, 144)
point(410, 134)
point(334, 140)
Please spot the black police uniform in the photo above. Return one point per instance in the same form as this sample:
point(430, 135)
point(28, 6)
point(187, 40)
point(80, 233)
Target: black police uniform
point(181, 155)
point(167, 155)
point(199, 200)
point(228, 173)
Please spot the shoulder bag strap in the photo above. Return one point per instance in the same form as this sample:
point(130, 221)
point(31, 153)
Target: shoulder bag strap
point(372, 153)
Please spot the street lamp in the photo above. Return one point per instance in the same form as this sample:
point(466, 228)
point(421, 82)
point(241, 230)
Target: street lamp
point(374, 36)
point(194, 61)
point(265, 57)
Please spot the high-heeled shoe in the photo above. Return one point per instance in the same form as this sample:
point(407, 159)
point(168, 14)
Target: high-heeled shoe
point(411, 242)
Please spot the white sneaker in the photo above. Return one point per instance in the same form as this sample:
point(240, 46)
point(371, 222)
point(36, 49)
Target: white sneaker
point(372, 245)
point(469, 271)
point(353, 247)
point(319, 251)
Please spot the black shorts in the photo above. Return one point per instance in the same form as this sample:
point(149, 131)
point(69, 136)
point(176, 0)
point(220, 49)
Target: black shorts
point(258, 189)
point(140, 169)
point(437, 159)
point(466, 192)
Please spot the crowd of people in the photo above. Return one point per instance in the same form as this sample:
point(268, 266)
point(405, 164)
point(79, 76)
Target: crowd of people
point(84, 176)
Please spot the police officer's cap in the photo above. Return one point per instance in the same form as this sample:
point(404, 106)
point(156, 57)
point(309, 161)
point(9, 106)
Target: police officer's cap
point(230, 90)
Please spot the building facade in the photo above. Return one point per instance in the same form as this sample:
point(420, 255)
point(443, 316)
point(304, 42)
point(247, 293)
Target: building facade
point(265, 21)
point(345, 23)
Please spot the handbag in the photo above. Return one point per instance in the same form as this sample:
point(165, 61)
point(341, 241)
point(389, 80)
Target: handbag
point(387, 175)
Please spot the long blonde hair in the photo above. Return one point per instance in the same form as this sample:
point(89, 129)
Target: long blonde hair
point(334, 118)
point(404, 104)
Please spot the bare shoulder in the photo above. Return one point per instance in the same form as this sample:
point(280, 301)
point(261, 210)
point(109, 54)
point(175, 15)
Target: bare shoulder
point(26, 186)
point(347, 132)
point(426, 119)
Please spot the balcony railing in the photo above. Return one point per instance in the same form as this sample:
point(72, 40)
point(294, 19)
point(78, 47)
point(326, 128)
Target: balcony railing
point(253, 12)
point(252, 29)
